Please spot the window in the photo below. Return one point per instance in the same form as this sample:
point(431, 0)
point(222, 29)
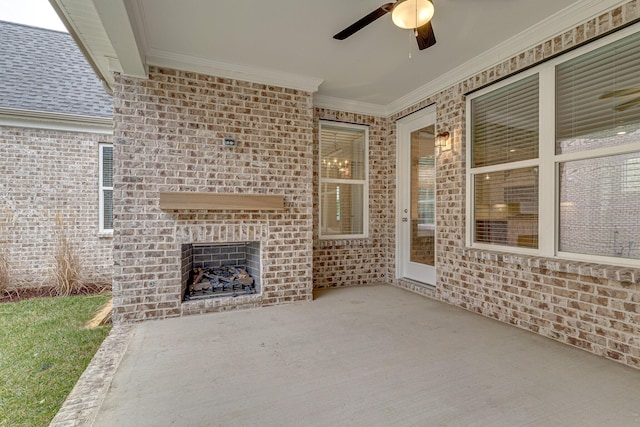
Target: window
point(344, 192)
point(554, 158)
point(424, 179)
point(106, 187)
point(631, 174)
point(505, 164)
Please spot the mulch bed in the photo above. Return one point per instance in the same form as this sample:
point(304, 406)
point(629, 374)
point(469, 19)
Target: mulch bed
point(20, 294)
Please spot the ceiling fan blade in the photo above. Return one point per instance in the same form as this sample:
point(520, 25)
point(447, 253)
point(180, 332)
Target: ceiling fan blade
point(623, 92)
point(626, 105)
point(425, 36)
point(360, 24)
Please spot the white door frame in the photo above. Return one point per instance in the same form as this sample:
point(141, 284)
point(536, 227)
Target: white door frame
point(404, 127)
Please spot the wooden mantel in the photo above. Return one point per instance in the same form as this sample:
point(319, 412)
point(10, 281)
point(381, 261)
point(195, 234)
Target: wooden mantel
point(215, 201)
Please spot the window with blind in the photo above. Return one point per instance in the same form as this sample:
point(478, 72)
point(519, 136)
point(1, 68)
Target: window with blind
point(598, 131)
point(554, 158)
point(343, 181)
point(106, 187)
point(505, 138)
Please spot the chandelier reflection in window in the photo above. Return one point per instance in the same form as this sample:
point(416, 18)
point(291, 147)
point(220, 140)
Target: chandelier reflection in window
point(336, 168)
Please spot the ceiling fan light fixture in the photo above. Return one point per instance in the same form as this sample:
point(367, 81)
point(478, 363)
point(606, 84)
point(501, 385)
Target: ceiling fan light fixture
point(409, 14)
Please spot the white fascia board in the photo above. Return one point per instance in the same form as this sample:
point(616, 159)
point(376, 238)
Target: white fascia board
point(232, 71)
point(117, 24)
point(55, 121)
point(64, 10)
point(571, 16)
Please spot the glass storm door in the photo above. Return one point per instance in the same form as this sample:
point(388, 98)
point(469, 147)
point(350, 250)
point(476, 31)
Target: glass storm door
point(416, 199)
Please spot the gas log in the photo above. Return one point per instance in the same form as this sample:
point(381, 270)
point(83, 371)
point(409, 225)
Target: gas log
point(225, 280)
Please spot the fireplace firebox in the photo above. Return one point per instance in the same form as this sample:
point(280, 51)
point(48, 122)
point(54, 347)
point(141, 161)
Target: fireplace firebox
point(216, 270)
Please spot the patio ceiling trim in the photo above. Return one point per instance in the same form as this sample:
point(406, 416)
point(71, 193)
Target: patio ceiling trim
point(357, 107)
point(232, 71)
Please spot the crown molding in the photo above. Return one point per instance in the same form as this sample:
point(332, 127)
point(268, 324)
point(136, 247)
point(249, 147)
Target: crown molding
point(55, 121)
point(571, 16)
point(332, 103)
point(178, 61)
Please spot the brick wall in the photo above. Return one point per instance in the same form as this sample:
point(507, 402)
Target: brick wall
point(339, 263)
point(593, 307)
point(44, 173)
point(169, 132)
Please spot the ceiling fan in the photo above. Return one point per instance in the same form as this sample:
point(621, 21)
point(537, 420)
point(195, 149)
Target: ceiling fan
point(408, 14)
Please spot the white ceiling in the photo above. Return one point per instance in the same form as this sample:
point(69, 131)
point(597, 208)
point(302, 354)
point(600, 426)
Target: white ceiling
point(289, 42)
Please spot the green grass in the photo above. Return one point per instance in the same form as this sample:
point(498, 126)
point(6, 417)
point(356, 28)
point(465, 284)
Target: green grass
point(44, 349)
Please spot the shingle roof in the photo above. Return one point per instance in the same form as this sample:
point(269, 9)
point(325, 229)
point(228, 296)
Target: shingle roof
point(44, 70)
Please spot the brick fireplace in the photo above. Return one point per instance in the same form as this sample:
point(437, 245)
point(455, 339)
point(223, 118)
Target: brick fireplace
point(169, 133)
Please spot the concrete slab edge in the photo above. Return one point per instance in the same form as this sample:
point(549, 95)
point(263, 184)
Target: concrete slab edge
point(82, 405)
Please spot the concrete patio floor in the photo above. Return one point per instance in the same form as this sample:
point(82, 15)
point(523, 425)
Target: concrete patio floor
point(361, 356)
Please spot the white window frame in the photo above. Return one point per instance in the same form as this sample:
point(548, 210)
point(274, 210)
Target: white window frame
point(102, 188)
point(631, 185)
point(364, 182)
point(548, 162)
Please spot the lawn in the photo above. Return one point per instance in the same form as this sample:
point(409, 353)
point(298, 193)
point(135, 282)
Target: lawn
point(44, 348)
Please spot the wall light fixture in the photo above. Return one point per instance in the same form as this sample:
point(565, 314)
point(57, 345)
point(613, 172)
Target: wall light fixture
point(443, 141)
